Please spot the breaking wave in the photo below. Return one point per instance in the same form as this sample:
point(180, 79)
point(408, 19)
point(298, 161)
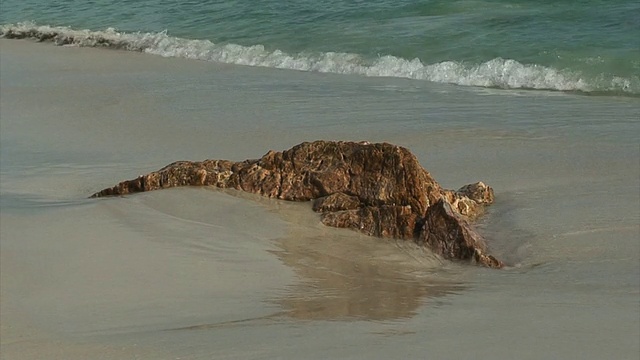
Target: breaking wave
point(496, 73)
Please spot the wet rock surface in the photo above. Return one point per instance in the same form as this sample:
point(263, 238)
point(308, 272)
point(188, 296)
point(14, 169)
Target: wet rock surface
point(378, 189)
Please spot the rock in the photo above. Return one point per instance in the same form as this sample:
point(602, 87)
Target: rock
point(378, 189)
point(336, 202)
point(451, 236)
point(382, 221)
point(180, 173)
point(471, 199)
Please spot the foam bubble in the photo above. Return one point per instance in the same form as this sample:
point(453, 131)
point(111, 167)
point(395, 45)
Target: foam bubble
point(496, 73)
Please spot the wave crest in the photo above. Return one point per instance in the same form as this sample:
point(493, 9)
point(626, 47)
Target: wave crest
point(496, 73)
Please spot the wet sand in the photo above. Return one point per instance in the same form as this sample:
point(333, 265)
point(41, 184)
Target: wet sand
point(200, 273)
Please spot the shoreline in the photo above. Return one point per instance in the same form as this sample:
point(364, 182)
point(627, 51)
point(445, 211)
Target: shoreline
point(82, 279)
point(514, 75)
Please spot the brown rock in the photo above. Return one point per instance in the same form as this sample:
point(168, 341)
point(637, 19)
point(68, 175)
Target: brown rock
point(382, 221)
point(378, 189)
point(478, 192)
point(471, 199)
point(451, 236)
point(180, 173)
point(336, 202)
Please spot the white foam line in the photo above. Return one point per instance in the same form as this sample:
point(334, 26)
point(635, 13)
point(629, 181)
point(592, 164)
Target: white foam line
point(496, 73)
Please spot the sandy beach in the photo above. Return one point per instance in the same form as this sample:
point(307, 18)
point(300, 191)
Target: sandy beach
point(199, 273)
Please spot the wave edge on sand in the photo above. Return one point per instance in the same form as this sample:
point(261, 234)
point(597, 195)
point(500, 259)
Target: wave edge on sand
point(496, 73)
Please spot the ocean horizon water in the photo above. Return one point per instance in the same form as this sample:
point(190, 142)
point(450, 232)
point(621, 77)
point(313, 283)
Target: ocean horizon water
point(586, 46)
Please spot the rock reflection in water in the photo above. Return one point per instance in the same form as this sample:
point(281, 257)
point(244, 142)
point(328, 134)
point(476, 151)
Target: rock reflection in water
point(345, 275)
point(348, 276)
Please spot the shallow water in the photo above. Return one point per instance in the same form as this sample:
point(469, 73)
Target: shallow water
point(199, 273)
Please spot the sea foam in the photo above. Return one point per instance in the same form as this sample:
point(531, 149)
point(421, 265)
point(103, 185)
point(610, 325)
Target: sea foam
point(496, 73)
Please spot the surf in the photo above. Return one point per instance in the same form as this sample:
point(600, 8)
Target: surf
point(497, 73)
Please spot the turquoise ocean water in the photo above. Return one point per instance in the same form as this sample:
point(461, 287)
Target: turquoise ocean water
point(588, 46)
